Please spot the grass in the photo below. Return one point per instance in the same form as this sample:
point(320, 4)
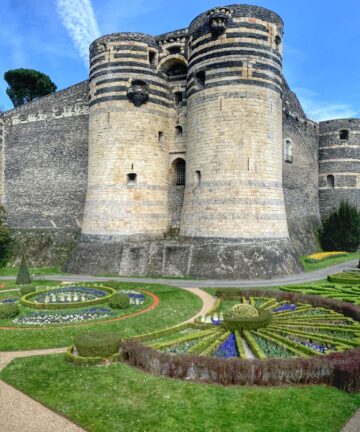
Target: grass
point(118, 397)
point(308, 267)
point(10, 284)
point(176, 305)
point(13, 271)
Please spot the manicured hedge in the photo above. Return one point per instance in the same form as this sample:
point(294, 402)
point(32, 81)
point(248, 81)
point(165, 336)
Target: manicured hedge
point(232, 323)
point(88, 361)
point(119, 300)
point(26, 300)
point(341, 370)
point(350, 278)
point(8, 310)
point(27, 289)
point(97, 344)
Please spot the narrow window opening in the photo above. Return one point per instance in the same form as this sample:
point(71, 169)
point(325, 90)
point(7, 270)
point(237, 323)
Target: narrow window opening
point(288, 151)
point(200, 79)
point(174, 50)
point(131, 179)
point(179, 130)
point(344, 135)
point(161, 137)
point(180, 173)
point(330, 180)
point(152, 58)
point(278, 42)
point(197, 178)
point(178, 97)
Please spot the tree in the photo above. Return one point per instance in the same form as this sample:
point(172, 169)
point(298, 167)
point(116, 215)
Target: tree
point(341, 230)
point(23, 276)
point(26, 85)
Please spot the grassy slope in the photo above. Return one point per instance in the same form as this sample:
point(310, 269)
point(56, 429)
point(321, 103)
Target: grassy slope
point(308, 267)
point(176, 305)
point(13, 271)
point(117, 397)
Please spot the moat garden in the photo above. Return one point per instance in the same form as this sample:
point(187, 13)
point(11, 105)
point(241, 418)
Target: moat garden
point(134, 360)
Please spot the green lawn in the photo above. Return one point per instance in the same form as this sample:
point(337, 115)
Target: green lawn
point(308, 267)
point(118, 397)
point(13, 271)
point(176, 305)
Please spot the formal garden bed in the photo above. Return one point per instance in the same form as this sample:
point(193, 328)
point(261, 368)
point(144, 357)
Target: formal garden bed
point(50, 328)
point(322, 260)
point(341, 286)
point(259, 337)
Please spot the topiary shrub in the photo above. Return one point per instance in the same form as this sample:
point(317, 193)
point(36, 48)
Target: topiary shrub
point(97, 344)
point(119, 301)
point(243, 310)
point(27, 289)
point(8, 310)
point(23, 276)
point(341, 230)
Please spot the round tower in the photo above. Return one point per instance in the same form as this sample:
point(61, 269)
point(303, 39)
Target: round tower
point(339, 164)
point(234, 126)
point(128, 157)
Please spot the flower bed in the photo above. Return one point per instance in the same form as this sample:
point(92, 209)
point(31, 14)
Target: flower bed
point(322, 256)
point(48, 318)
point(67, 297)
point(293, 346)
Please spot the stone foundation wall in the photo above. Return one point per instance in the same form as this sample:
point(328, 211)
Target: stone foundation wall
point(216, 259)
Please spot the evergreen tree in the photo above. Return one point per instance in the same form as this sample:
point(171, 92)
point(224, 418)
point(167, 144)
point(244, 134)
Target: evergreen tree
point(341, 230)
point(26, 85)
point(23, 276)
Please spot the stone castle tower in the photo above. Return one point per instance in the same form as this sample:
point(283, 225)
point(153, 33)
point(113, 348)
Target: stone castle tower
point(212, 97)
point(183, 154)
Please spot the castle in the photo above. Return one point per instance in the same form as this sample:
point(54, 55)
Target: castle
point(183, 154)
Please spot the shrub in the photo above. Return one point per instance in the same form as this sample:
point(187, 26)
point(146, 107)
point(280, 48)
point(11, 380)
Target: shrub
point(8, 310)
point(119, 301)
point(243, 310)
point(341, 230)
point(23, 276)
point(247, 323)
point(87, 361)
point(97, 344)
point(27, 289)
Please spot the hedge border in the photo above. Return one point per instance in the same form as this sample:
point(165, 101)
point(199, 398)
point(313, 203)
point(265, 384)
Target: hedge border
point(89, 361)
point(344, 278)
point(25, 300)
point(341, 369)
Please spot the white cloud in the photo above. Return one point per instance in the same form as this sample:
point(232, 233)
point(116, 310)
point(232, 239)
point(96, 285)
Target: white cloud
point(319, 110)
point(79, 19)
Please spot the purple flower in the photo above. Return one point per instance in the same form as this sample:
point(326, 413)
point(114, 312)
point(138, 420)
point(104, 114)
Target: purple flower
point(228, 348)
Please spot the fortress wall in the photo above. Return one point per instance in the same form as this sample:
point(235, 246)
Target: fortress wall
point(127, 140)
point(45, 173)
point(300, 175)
point(339, 158)
point(45, 155)
point(235, 128)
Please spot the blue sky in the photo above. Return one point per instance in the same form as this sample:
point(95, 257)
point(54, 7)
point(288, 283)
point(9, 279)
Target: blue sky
point(321, 41)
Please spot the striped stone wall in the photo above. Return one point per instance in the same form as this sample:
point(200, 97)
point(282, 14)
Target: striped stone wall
point(234, 128)
point(126, 139)
point(339, 158)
